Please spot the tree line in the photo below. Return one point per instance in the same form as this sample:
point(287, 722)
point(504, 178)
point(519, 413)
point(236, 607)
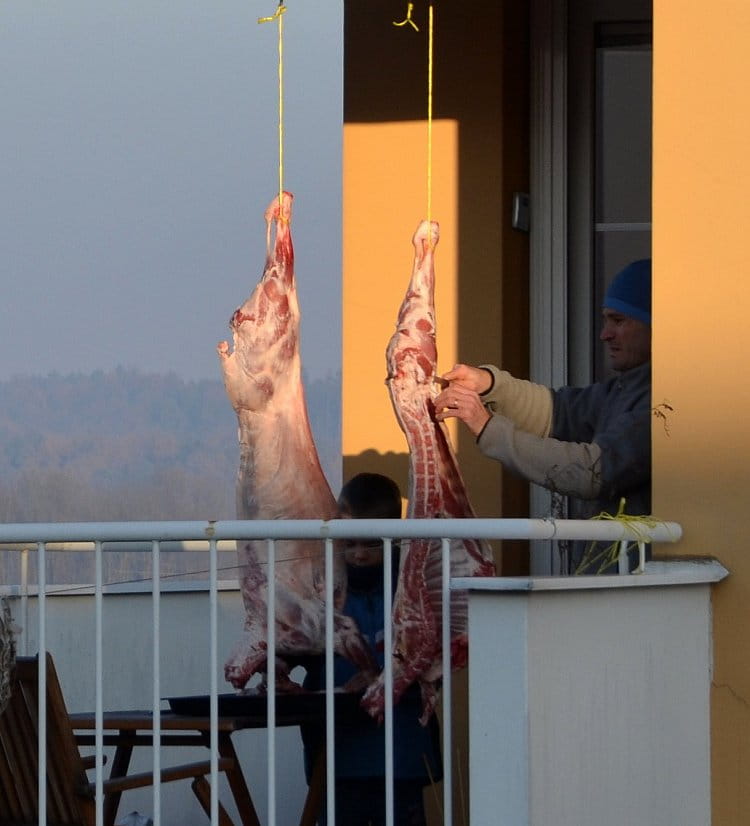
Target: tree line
point(123, 445)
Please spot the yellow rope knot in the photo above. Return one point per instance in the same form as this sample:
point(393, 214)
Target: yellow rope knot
point(279, 11)
point(409, 10)
point(608, 556)
point(633, 522)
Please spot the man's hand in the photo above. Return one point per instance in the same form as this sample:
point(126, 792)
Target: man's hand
point(470, 378)
point(459, 402)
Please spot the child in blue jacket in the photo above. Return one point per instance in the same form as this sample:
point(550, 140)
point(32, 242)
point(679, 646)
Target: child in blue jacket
point(360, 741)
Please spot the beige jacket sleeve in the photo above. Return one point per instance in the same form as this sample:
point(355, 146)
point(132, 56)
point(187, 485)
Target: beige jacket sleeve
point(570, 468)
point(527, 405)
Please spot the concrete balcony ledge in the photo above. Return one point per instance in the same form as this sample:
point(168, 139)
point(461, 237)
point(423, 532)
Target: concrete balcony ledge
point(658, 572)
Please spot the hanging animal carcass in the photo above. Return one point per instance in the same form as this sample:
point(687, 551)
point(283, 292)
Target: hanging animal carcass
point(436, 490)
point(280, 476)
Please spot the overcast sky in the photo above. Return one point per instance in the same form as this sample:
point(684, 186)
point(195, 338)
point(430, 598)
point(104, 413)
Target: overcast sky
point(138, 152)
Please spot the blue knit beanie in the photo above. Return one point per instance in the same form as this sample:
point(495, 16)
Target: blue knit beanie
point(630, 291)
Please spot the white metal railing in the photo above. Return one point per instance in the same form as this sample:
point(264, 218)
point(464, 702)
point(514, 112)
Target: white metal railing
point(96, 536)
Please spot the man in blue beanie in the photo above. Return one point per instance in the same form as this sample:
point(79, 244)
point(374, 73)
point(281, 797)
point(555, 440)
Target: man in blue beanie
point(627, 317)
point(592, 444)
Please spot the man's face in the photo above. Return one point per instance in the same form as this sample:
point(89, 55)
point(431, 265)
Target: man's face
point(628, 340)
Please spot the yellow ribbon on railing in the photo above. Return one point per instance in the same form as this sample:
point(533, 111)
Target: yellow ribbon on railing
point(279, 15)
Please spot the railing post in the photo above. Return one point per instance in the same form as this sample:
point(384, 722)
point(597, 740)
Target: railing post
point(156, 692)
point(213, 602)
point(330, 686)
point(447, 692)
point(98, 678)
point(42, 685)
point(271, 679)
point(25, 599)
point(388, 672)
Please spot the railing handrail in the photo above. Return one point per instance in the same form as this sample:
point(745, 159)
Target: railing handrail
point(605, 530)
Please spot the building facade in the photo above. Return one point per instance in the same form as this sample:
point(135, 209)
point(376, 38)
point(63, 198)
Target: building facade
point(623, 122)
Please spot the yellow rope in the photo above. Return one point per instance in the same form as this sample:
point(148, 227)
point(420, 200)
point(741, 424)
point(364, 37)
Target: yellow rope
point(633, 522)
point(279, 15)
point(430, 42)
point(607, 556)
point(429, 130)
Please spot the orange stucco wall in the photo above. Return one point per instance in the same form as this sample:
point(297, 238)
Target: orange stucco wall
point(384, 200)
point(701, 255)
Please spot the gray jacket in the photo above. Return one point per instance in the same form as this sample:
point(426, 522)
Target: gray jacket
point(615, 415)
point(598, 449)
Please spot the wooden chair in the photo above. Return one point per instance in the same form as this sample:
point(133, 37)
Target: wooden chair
point(70, 793)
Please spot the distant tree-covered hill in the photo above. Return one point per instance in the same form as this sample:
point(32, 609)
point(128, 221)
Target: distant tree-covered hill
point(127, 445)
point(124, 445)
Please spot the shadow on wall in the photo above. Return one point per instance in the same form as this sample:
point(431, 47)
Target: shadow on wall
point(395, 465)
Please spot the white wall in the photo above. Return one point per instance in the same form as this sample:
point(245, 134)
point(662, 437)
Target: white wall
point(603, 685)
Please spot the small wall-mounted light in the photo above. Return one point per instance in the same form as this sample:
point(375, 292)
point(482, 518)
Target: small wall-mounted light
point(520, 216)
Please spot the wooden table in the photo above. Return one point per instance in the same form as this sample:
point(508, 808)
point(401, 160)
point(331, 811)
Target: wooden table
point(127, 729)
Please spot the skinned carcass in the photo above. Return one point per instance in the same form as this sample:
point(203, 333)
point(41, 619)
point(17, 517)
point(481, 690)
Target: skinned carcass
point(279, 475)
point(436, 490)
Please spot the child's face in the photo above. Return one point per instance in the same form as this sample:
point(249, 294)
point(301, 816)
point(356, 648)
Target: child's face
point(361, 553)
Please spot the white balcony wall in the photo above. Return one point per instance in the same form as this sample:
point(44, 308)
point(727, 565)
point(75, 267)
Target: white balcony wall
point(604, 686)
